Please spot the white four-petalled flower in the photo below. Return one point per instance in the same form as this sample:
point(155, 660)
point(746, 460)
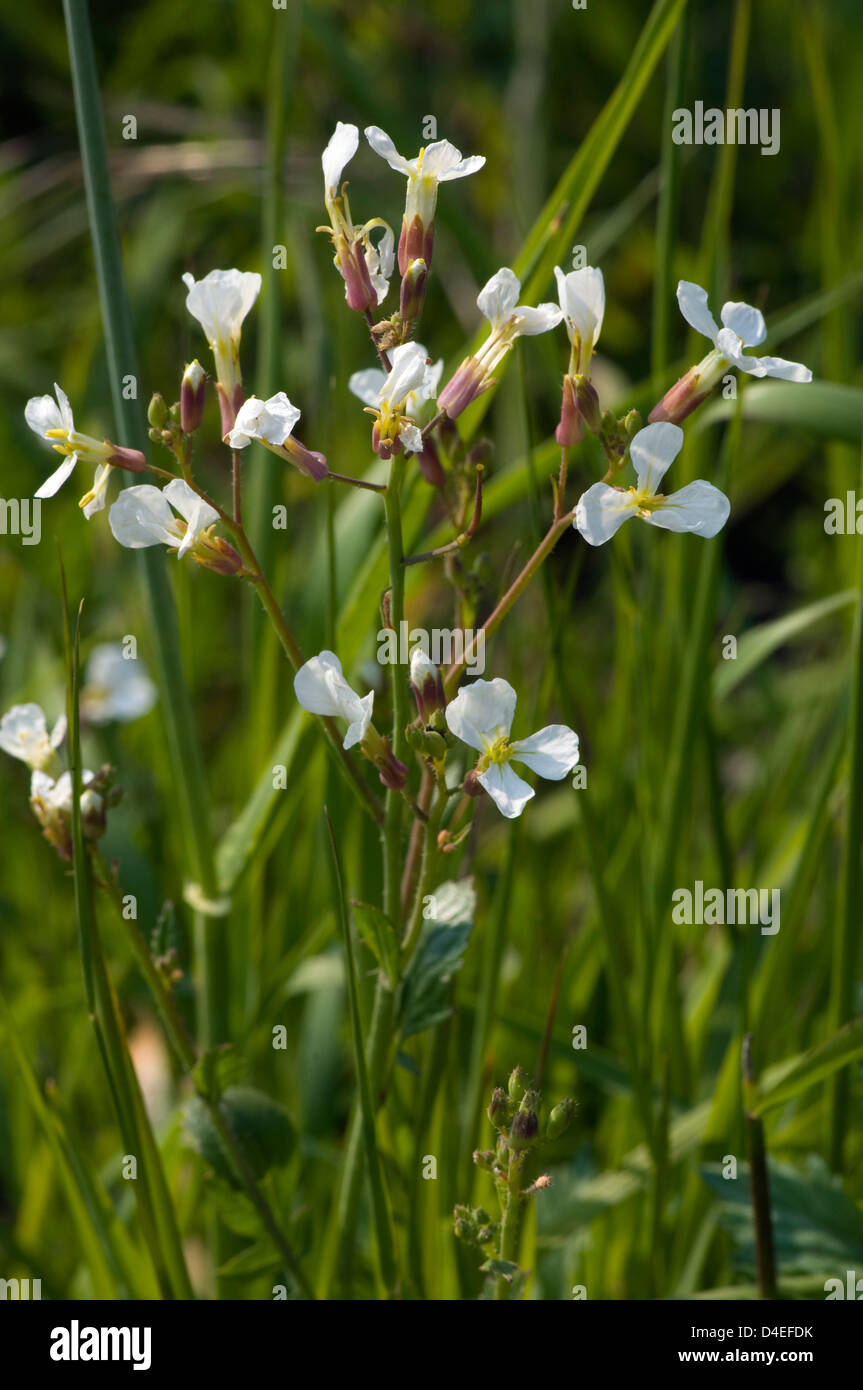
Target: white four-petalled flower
point(220, 303)
point(481, 716)
point(582, 301)
point(24, 735)
point(742, 326)
point(397, 396)
point(321, 688)
point(698, 507)
point(271, 423)
point(143, 516)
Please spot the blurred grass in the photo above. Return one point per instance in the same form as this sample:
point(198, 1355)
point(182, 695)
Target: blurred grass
point(763, 776)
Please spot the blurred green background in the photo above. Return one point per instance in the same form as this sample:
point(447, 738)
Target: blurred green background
point(601, 641)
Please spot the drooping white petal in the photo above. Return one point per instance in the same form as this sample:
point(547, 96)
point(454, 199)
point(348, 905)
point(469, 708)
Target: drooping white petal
point(507, 790)
point(699, 507)
point(482, 712)
point(411, 438)
point(601, 511)
point(408, 371)
point(499, 297)
point(198, 513)
point(98, 491)
point(442, 161)
point(58, 733)
point(652, 451)
point(55, 481)
point(142, 516)
point(65, 408)
point(42, 413)
point(773, 366)
point(746, 322)
point(552, 752)
point(582, 299)
point(321, 688)
point(367, 384)
point(539, 320)
point(383, 145)
point(380, 259)
point(431, 380)
point(272, 420)
point(341, 148)
point(694, 308)
point(731, 347)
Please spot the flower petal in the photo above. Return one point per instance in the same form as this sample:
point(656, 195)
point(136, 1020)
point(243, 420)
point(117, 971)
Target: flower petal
point(24, 734)
point(652, 451)
point(411, 438)
point(539, 320)
point(321, 688)
point(367, 384)
point(746, 322)
point(341, 148)
point(774, 366)
point(359, 711)
point(482, 712)
point(507, 790)
point(442, 161)
point(552, 752)
point(582, 299)
point(42, 414)
point(271, 420)
point(694, 308)
point(601, 511)
point(56, 480)
point(221, 301)
point(198, 513)
point(498, 298)
point(141, 516)
point(407, 375)
point(699, 507)
point(383, 145)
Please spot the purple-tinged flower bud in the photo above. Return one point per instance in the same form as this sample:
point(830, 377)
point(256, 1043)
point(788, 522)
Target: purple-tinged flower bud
point(130, 459)
point(588, 403)
point(392, 772)
point(681, 399)
point(570, 430)
point(468, 382)
point(413, 291)
point(416, 242)
point(218, 555)
point(360, 293)
point(192, 393)
point(309, 461)
point(501, 1109)
point(523, 1130)
point(426, 684)
point(472, 786)
point(430, 465)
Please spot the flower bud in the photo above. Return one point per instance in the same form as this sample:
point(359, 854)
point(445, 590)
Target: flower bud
point(430, 465)
point(681, 399)
point(588, 404)
point(485, 1159)
point(632, 423)
point(560, 1119)
point(192, 393)
point(516, 1086)
point(218, 555)
point(570, 430)
point(416, 242)
point(523, 1130)
point(472, 786)
point(413, 291)
point(157, 412)
point(426, 684)
point(466, 383)
point(501, 1109)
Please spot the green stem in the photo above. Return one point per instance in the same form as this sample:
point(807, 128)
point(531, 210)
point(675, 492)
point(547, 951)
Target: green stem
point(510, 1225)
point(189, 781)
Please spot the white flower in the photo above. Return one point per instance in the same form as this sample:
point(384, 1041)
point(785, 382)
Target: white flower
point(116, 687)
point(742, 327)
point(435, 164)
point(392, 397)
point(582, 301)
point(220, 302)
point(53, 420)
point(481, 716)
point(24, 734)
point(51, 803)
point(271, 423)
point(321, 688)
point(365, 267)
point(498, 302)
point(699, 507)
point(142, 516)
point(401, 392)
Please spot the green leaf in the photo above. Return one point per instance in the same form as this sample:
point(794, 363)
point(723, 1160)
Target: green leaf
point(760, 642)
point(381, 937)
point(828, 409)
point(261, 1126)
point(816, 1228)
point(238, 845)
point(219, 1068)
point(426, 995)
point(789, 1079)
point(260, 1258)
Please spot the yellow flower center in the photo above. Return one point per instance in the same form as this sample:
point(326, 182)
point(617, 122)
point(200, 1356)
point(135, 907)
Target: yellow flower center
point(647, 502)
point(500, 751)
